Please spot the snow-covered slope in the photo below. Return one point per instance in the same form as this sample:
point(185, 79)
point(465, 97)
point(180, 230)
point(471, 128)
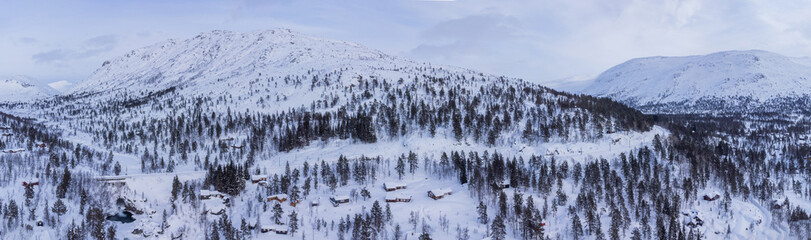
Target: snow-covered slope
point(733, 78)
point(225, 56)
point(22, 88)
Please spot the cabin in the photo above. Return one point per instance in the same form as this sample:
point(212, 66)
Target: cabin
point(278, 229)
point(14, 150)
point(713, 198)
point(236, 147)
point(439, 193)
point(258, 178)
point(7, 134)
point(216, 210)
point(390, 197)
point(278, 197)
point(293, 203)
point(282, 231)
point(393, 186)
point(31, 182)
point(502, 184)
point(206, 194)
point(315, 203)
point(337, 200)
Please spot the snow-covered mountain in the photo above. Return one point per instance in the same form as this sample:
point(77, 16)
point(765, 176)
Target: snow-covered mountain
point(22, 88)
point(221, 57)
point(731, 80)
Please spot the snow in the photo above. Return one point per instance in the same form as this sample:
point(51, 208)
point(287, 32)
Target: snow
point(23, 89)
point(759, 75)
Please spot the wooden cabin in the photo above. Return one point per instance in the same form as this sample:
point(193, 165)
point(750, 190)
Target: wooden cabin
point(278, 229)
point(439, 193)
point(713, 198)
point(337, 200)
point(393, 186)
point(32, 182)
point(502, 184)
point(206, 194)
point(398, 197)
point(14, 150)
point(216, 210)
point(278, 197)
point(258, 178)
point(315, 203)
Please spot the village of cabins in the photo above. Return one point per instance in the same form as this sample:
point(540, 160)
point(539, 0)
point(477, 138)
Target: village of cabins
point(391, 188)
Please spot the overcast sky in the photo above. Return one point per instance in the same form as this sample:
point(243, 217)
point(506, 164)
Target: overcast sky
point(540, 41)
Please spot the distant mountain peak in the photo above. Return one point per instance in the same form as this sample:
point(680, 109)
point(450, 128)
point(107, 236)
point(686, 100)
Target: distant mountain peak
point(21, 88)
point(737, 78)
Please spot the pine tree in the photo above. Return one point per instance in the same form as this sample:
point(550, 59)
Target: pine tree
point(457, 127)
point(293, 222)
point(637, 235)
point(176, 187)
point(117, 168)
point(482, 209)
point(577, 227)
point(497, 229)
point(62, 189)
point(397, 232)
point(377, 216)
point(111, 233)
point(400, 168)
point(412, 162)
point(277, 213)
point(59, 208)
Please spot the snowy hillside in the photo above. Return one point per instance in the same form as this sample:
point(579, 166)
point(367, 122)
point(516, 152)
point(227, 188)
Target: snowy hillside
point(22, 89)
point(734, 79)
point(211, 60)
point(279, 135)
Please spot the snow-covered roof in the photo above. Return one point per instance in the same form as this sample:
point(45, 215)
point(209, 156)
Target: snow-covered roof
point(393, 184)
point(341, 197)
point(210, 193)
point(441, 191)
point(258, 177)
point(279, 196)
point(395, 196)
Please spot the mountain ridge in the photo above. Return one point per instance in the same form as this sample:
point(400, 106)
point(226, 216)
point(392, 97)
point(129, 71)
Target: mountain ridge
point(737, 80)
point(21, 88)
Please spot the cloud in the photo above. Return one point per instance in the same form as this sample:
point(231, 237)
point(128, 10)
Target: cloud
point(89, 48)
point(52, 56)
point(28, 40)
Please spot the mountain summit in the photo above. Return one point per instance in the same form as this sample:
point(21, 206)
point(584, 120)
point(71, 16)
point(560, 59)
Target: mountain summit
point(224, 55)
point(23, 88)
point(731, 80)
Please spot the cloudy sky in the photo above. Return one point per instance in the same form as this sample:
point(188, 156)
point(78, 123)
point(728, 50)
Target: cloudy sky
point(540, 41)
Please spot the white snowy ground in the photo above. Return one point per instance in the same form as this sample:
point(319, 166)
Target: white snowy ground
point(459, 208)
